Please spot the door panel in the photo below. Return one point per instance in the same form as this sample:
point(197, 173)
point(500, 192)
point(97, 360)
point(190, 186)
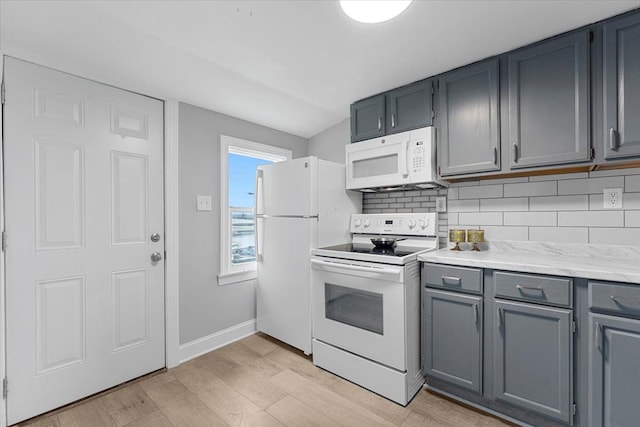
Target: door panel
point(287, 188)
point(368, 118)
point(85, 304)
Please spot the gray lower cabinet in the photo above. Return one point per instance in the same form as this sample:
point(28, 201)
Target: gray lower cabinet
point(549, 102)
point(621, 87)
point(469, 138)
point(452, 338)
point(614, 389)
point(368, 118)
point(533, 358)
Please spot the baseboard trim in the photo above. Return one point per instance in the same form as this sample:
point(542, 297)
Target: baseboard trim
point(204, 345)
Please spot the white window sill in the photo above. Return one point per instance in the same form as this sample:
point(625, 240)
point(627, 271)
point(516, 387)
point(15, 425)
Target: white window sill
point(235, 277)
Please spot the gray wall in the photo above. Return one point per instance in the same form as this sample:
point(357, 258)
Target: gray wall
point(205, 307)
point(329, 144)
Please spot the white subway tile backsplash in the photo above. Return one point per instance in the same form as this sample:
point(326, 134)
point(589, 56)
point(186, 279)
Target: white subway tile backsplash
point(472, 205)
point(615, 172)
point(559, 203)
point(531, 218)
point(505, 233)
point(464, 184)
point(453, 218)
point(505, 204)
point(480, 192)
point(452, 194)
point(558, 177)
point(591, 219)
point(526, 189)
point(559, 234)
point(480, 218)
point(632, 183)
point(632, 219)
point(614, 236)
point(589, 185)
point(505, 181)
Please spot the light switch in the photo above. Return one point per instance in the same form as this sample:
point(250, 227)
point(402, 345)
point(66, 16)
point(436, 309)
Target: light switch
point(203, 203)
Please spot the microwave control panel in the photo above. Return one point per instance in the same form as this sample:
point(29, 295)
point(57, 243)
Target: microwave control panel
point(417, 156)
point(412, 224)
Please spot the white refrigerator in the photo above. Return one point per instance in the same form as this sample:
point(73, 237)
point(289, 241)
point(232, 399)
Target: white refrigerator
point(300, 204)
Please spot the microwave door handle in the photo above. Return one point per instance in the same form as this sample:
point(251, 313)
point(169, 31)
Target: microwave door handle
point(404, 167)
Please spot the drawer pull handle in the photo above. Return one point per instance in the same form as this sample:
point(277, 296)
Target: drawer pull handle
point(622, 300)
point(529, 288)
point(449, 280)
point(475, 313)
point(598, 337)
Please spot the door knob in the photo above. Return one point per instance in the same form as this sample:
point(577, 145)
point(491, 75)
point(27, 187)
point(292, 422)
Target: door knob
point(155, 237)
point(156, 256)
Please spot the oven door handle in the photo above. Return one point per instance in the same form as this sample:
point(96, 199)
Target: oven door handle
point(354, 269)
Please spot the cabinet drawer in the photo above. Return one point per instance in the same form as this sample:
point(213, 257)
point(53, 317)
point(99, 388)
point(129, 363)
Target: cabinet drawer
point(445, 276)
point(526, 287)
point(615, 297)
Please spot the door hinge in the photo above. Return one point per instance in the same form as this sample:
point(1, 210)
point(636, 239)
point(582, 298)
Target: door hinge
point(3, 94)
point(433, 115)
point(593, 153)
point(5, 388)
point(573, 326)
point(574, 409)
point(4, 241)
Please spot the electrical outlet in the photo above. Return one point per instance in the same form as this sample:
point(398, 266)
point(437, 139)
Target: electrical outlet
point(441, 204)
point(613, 198)
point(203, 203)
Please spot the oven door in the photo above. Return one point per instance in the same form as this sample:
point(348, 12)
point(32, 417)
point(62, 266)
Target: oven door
point(380, 162)
point(360, 307)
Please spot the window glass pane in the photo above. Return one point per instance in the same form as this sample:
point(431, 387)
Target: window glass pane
point(242, 173)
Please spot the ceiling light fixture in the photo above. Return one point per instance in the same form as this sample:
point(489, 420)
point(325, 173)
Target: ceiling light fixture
point(373, 11)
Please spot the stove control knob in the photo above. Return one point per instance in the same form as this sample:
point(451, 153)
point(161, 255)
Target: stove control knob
point(367, 223)
point(357, 222)
point(412, 223)
point(423, 223)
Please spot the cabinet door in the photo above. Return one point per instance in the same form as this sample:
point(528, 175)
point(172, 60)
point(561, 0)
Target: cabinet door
point(614, 379)
point(468, 120)
point(533, 358)
point(367, 118)
point(621, 87)
point(549, 102)
point(452, 338)
point(409, 107)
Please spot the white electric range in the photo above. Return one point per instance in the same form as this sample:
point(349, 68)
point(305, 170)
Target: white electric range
point(366, 303)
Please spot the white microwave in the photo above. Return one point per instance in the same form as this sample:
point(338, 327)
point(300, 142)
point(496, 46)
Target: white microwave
point(395, 162)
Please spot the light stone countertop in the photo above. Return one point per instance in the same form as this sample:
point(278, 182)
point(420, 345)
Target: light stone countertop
point(600, 262)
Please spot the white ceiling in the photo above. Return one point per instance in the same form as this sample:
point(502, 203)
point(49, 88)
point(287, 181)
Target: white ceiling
point(290, 65)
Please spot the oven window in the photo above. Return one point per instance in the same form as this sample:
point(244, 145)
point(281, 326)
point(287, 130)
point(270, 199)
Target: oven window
point(383, 165)
point(361, 309)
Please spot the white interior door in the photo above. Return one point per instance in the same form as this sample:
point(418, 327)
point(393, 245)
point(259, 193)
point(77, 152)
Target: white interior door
point(84, 193)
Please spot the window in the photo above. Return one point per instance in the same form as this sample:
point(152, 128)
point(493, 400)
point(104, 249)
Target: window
point(239, 160)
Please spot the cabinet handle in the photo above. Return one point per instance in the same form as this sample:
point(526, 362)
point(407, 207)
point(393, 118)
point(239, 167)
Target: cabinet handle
point(529, 288)
point(449, 280)
point(598, 337)
point(475, 313)
point(379, 123)
point(515, 152)
point(495, 155)
point(621, 301)
point(613, 140)
point(499, 314)
point(393, 120)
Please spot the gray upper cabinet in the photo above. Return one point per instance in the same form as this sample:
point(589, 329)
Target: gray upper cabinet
point(533, 358)
point(615, 372)
point(621, 87)
point(549, 102)
point(405, 108)
point(409, 107)
point(452, 338)
point(368, 118)
point(469, 139)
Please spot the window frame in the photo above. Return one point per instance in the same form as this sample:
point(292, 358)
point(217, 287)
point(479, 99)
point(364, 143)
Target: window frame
point(230, 273)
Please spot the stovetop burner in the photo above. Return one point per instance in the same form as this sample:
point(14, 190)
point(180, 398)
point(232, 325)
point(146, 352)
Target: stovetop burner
point(370, 249)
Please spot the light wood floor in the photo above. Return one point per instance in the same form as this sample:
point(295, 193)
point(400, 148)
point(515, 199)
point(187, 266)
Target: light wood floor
point(256, 381)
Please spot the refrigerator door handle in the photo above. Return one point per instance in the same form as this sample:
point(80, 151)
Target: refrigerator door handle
point(258, 215)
